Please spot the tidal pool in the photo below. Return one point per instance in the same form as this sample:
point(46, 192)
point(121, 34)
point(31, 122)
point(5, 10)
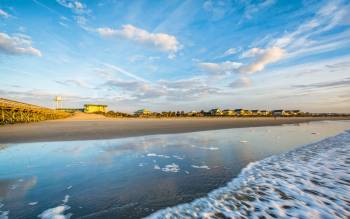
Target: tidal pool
point(135, 177)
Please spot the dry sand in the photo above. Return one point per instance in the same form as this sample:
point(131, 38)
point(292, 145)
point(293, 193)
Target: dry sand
point(91, 126)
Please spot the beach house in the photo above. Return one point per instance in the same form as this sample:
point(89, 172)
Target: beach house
point(95, 108)
point(264, 113)
point(255, 112)
point(243, 112)
point(228, 112)
point(278, 112)
point(143, 112)
point(215, 112)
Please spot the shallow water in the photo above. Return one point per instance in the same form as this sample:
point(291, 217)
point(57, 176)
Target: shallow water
point(135, 177)
point(310, 182)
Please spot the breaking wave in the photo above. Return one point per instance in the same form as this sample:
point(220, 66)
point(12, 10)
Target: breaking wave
point(312, 181)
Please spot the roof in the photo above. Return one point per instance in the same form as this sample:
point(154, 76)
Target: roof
point(142, 110)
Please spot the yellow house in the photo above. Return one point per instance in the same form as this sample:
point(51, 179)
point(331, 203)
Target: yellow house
point(94, 108)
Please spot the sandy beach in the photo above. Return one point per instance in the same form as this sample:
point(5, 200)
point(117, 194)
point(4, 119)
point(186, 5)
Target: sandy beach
point(89, 127)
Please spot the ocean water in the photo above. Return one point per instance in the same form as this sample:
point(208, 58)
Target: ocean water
point(309, 182)
point(267, 171)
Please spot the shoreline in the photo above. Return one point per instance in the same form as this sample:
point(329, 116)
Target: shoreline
point(93, 127)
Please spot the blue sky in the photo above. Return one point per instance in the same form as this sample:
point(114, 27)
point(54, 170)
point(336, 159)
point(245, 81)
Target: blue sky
point(177, 55)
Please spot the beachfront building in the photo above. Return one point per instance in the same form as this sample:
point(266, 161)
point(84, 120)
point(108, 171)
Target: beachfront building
point(192, 113)
point(228, 112)
point(255, 112)
point(243, 112)
point(95, 108)
point(278, 113)
point(143, 112)
point(295, 112)
point(264, 113)
point(215, 112)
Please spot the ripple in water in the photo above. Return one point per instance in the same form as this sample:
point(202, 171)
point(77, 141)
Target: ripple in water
point(310, 182)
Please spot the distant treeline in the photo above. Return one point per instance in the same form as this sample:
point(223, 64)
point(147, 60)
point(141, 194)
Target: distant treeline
point(217, 113)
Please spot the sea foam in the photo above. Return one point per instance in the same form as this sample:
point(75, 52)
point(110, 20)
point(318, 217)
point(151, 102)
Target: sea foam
point(312, 181)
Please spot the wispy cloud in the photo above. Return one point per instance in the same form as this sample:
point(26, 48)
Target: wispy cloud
point(80, 10)
point(300, 41)
point(331, 84)
point(74, 5)
point(4, 14)
point(230, 51)
point(252, 8)
point(120, 70)
point(223, 68)
point(74, 82)
point(161, 41)
point(17, 45)
point(314, 36)
point(241, 82)
point(263, 58)
point(218, 9)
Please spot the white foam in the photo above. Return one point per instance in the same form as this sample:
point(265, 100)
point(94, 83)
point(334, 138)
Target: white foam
point(32, 203)
point(243, 141)
point(56, 213)
point(174, 168)
point(66, 199)
point(157, 155)
point(201, 167)
point(309, 182)
point(156, 167)
point(69, 187)
point(3, 214)
point(209, 148)
point(178, 157)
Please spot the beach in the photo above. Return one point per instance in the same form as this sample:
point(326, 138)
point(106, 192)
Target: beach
point(240, 171)
point(94, 126)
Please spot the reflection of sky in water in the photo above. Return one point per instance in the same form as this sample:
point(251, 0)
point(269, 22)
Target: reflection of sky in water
point(136, 176)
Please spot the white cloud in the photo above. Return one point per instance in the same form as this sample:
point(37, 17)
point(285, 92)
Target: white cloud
point(75, 5)
point(17, 45)
point(220, 68)
point(4, 14)
point(230, 51)
point(264, 57)
point(252, 52)
point(325, 19)
point(252, 8)
point(241, 82)
point(218, 9)
point(301, 41)
point(162, 41)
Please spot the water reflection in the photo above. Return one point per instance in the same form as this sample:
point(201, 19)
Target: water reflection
point(133, 177)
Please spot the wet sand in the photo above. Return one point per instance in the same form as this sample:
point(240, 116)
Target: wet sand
point(90, 127)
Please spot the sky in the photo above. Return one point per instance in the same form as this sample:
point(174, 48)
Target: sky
point(177, 55)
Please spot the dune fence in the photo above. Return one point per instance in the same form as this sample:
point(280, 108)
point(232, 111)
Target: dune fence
point(12, 112)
